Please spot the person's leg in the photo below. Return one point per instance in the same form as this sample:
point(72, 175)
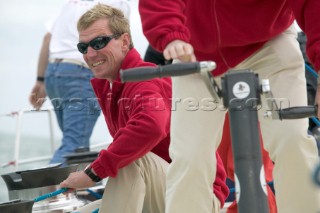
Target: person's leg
point(52, 92)
point(290, 147)
point(79, 110)
point(196, 123)
point(137, 188)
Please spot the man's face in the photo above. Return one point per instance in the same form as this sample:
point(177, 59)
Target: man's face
point(106, 62)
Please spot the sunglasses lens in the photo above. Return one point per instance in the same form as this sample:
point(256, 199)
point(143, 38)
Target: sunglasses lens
point(99, 43)
point(82, 47)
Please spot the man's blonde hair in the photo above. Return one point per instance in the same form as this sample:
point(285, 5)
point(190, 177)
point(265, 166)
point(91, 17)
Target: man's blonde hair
point(118, 23)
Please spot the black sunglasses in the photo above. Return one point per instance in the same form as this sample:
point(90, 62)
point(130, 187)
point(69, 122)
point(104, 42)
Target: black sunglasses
point(96, 43)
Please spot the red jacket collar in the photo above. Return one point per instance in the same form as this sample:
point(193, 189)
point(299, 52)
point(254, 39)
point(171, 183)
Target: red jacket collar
point(131, 60)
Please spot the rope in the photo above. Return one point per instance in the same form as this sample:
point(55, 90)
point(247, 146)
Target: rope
point(316, 121)
point(95, 194)
point(95, 211)
point(314, 73)
point(62, 190)
point(51, 194)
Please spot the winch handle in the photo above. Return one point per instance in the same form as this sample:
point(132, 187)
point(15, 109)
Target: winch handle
point(298, 112)
point(169, 70)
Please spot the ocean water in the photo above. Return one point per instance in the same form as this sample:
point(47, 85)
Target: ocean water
point(30, 147)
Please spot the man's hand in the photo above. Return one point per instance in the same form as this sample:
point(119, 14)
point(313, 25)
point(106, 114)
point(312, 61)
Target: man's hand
point(77, 180)
point(38, 95)
point(181, 50)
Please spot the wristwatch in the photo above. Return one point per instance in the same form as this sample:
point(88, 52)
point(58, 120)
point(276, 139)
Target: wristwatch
point(93, 176)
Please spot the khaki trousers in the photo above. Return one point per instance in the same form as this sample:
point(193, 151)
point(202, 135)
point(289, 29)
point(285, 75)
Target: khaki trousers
point(196, 128)
point(138, 188)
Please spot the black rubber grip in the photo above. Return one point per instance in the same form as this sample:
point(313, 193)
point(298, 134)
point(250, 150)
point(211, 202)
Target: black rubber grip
point(145, 73)
point(298, 112)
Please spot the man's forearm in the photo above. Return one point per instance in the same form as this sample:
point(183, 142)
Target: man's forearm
point(44, 56)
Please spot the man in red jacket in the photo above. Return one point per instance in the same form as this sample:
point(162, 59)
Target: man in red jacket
point(224, 148)
point(138, 118)
point(255, 34)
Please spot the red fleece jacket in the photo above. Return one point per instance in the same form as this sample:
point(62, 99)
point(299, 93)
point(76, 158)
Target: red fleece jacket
point(138, 118)
point(227, 32)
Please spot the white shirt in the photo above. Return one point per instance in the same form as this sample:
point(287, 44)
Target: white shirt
point(63, 28)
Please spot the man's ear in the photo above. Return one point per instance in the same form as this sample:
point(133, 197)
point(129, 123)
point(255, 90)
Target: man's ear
point(125, 41)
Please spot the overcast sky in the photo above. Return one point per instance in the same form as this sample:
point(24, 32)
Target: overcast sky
point(21, 33)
